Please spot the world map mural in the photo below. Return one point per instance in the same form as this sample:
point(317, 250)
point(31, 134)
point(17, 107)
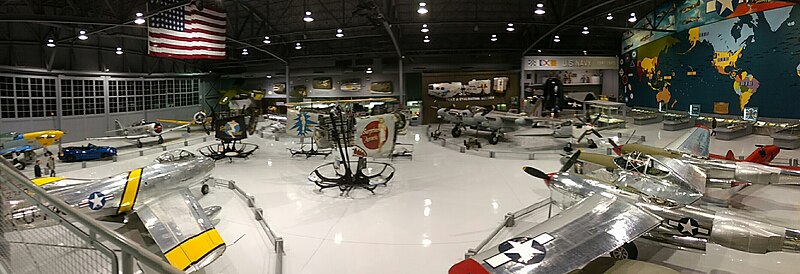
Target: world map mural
point(749, 60)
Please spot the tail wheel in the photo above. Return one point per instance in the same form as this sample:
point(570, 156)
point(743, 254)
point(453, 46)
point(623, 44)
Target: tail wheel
point(205, 189)
point(160, 140)
point(626, 251)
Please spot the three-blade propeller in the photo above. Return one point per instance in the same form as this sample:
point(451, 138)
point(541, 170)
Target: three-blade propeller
point(544, 176)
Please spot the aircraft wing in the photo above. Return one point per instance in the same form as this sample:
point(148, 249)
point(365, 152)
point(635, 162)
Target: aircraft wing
point(179, 122)
point(173, 128)
point(182, 231)
point(576, 236)
point(126, 137)
point(694, 142)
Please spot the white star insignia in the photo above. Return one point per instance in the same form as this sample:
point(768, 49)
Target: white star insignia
point(688, 227)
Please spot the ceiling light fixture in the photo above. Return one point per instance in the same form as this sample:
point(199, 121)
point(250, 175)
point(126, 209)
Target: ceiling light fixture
point(422, 8)
point(494, 38)
point(266, 40)
point(510, 27)
point(633, 17)
point(82, 35)
point(269, 76)
point(244, 52)
point(308, 17)
point(339, 33)
point(539, 51)
point(369, 70)
point(539, 9)
point(584, 52)
point(556, 39)
point(297, 46)
point(585, 30)
point(51, 43)
point(427, 39)
point(609, 17)
point(139, 19)
point(119, 51)
point(424, 28)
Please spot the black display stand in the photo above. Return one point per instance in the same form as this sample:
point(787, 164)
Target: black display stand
point(309, 150)
point(367, 175)
point(230, 141)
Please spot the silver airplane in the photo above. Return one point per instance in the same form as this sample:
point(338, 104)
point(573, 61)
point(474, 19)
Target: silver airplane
point(154, 199)
point(483, 119)
point(138, 131)
point(600, 217)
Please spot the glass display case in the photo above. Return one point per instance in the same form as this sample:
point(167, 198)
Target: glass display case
point(728, 129)
point(612, 114)
point(643, 116)
point(677, 121)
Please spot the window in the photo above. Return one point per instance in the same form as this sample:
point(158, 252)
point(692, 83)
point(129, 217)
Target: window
point(80, 97)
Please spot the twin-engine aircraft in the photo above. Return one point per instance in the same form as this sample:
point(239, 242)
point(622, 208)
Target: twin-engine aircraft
point(486, 119)
point(602, 217)
point(154, 199)
point(138, 131)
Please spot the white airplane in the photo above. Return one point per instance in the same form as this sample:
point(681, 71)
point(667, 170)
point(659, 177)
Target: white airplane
point(138, 131)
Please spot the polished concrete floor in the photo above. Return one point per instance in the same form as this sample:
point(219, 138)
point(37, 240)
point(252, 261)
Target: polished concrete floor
point(438, 205)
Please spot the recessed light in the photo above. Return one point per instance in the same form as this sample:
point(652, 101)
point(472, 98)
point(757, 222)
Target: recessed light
point(82, 35)
point(297, 46)
point(339, 33)
point(422, 8)
point(308, 17)
point(119, 51)
point(633, 17)
point(539, 9)
point(609, 17)
point(51, 43)
point(424, 28)
point(585, 30)
point(510, 27)
point(139, 19)
point(266, 40)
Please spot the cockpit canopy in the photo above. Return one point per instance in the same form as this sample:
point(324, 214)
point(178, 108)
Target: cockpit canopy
point(174, 156)
point(641, 163)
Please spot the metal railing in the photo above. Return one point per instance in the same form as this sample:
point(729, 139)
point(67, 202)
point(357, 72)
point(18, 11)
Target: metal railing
point(277, 242)
point(509, 220)
point(74, 243)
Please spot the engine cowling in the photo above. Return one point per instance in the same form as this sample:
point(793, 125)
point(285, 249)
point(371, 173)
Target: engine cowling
point(752, 236)
point(757, 174)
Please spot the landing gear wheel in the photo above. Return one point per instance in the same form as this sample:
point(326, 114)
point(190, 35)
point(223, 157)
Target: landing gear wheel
point(205, 189)
point(160, 140)
point(456, 131)
point(19, 165)
point(568, 147)
point(626, 251)
point(592, 144)
point(494, 138)
point(138, 143)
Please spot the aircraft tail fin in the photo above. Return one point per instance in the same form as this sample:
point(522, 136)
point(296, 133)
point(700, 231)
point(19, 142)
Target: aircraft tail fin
point(730, 156)
point(764, 154)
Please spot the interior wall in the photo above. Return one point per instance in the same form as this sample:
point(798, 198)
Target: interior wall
point(745, 61)
point(429, 103)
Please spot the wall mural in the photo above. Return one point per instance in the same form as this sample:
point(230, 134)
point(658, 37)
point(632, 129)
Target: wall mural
point(746, 61)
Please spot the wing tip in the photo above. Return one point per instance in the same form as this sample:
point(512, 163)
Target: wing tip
point(468, 266)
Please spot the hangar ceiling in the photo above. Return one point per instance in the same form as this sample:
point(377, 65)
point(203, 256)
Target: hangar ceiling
point(459, 30)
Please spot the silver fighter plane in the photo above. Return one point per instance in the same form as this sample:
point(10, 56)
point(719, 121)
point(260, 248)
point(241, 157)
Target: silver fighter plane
point(138, 131)
point(154, 198)
point(599, 217)
point(484, 119)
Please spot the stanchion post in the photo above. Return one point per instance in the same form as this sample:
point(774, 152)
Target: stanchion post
point(462, 149)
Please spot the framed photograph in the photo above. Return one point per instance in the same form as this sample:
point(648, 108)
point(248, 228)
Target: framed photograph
point(299, 91)
point(351, 85)
point(279, 88)
point(383, 87)
point(322, 83)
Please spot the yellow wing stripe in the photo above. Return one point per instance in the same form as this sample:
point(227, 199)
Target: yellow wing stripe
point(194, 249)
point(46, 180)
point(131, 191)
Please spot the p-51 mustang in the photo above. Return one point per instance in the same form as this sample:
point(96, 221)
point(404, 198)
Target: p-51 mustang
point(154, 199)
point(599, 217)
point(27, 144)
point(139, 131)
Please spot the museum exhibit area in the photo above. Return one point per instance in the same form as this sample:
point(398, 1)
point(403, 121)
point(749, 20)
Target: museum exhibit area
point(210, 136)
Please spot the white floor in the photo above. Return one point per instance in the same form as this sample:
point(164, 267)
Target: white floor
point(438, 205)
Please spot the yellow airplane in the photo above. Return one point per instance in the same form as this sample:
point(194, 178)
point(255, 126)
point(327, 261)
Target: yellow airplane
point(27, 144)
point(199, 119)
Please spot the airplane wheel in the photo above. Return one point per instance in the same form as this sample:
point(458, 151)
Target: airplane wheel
point(592, 144)
point(205, 189)
point(139, 144)
point(456, 131)
point(19, 165)
point(160, 140)
point(495, 138)
point(626, 251)
point(568, 147)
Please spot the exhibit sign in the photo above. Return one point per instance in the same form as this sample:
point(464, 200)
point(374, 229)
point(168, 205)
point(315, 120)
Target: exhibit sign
point(750, 114)
point(231, 128)
point(300, 123)
point(569, 62)
point(694, 110)
point(374, 136)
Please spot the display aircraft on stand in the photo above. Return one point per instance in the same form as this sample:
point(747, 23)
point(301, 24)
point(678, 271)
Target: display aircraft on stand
point(692, 148)
point(27, 144)
point(138, 131)
point(486, 119)
point(576, 131)
point(154, 199)
point(601, 217)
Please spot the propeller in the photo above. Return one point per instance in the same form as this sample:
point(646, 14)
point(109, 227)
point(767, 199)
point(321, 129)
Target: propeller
point(595, 119)
point(597, 133)
point(580, 119)
point(582, 135)
point(571, 162)
point(617, 149)
point(536, 173)
point(630, 137)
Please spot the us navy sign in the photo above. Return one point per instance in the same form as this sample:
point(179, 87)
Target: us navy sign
point(567, 62)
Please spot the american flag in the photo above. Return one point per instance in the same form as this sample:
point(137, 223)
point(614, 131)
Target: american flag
point(187, 33)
